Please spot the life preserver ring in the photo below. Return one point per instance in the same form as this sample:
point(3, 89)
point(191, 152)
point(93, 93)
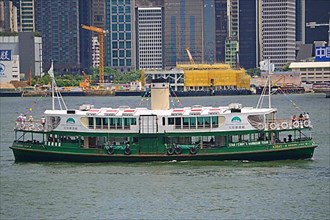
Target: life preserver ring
point(284, 125)
point(193, 150)
point(273, 126)
point(170, 151)
point(295, 124)
point(260, 126)
point(307, 123)
point(178, 150)
point(127, 151)
point(110, 150)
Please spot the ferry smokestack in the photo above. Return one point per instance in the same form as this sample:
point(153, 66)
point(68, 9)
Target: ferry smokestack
point(160, 99)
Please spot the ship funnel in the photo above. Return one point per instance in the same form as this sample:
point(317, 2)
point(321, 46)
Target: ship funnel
point(160, 99)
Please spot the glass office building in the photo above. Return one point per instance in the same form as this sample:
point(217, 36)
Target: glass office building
point(150, 38)
point(120, 40)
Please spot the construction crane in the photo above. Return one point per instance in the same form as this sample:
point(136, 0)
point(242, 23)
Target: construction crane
point(313, 24)
point(101, 33)
point(190, 57)
point(86, 84)
point(278, 80)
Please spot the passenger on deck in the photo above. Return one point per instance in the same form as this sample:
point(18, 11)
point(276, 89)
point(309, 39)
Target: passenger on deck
point(30, 118)
point(19, 118)
point(294, 118)
point(301, 117)
point(290, 137)
point(43, 121)
point(306, 116)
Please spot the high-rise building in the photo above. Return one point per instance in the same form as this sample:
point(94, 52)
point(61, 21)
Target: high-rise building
point(59, 25)
point(95, 52)
point(27, 16)
point(300, 21)
point(277, 31)
point(120, 46)
point(85, 17)
point(231, 46)
point(98, 14)
point(209, 31)
point(183, 29)
point(220, 29)
point(8, 16)
point(149, 38)
point(248, 34)
point(319, 12)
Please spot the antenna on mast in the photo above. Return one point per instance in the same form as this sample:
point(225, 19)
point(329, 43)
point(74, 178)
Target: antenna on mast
point(55, 92)
point(266, 65)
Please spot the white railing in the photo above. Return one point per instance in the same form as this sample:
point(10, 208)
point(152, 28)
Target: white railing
point(282, 124)
point(32, 126)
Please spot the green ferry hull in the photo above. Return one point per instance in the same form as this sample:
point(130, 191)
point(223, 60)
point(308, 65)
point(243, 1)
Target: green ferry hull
point(36, 155)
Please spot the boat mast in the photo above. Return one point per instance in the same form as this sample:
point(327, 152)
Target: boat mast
point(54, 86)
point(269, 67)
point(52, 78)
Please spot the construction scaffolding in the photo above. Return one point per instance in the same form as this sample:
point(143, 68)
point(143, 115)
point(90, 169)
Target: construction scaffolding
point(214, 76)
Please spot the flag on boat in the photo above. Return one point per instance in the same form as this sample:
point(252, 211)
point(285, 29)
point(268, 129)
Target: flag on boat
point(51, 71)
point(267, 66)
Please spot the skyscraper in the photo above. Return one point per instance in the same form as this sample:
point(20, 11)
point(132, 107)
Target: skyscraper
point(209, 31)
point(277, 31)
point(183, 29)
point(120, 45)
point(85, 44)
point(248, 34)
point(300, 21)
point(220, 28)
point(149, 38)
point(319, 12)
point(27, 16)
point(58, 22)
point(8, 16)
point(231, 51)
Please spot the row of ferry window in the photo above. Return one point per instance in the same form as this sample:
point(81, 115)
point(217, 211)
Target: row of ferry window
point(114, 123)
point(178, 122)
point(193, 122)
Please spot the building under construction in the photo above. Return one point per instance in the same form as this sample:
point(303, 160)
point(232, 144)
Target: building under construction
point(213, 77)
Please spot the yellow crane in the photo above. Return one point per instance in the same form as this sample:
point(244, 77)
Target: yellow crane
point(101, 33)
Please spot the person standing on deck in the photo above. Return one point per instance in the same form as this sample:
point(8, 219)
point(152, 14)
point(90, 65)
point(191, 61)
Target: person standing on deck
point(43, 121)
point(30, 118)
point(306, 116)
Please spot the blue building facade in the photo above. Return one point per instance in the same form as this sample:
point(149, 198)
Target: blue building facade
point(59, 26)
point(209, 31)
point(183, 29)
point(248, 56)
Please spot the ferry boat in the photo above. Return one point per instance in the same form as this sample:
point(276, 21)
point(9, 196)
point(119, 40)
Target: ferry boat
point(124, 134)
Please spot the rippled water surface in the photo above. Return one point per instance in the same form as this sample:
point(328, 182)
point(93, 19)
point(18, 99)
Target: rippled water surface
point(167, 190)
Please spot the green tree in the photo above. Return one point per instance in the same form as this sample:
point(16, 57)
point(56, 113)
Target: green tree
point(254, 72)
point(286, 67)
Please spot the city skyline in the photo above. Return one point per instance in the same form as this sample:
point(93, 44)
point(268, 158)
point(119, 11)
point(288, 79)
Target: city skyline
point(213, 30)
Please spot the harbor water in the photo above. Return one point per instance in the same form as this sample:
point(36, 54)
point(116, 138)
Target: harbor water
point(292, 189)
